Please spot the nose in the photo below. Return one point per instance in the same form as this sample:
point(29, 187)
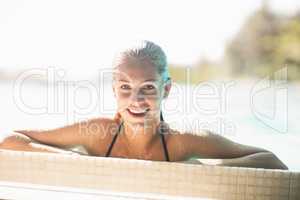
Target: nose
point(137, 96)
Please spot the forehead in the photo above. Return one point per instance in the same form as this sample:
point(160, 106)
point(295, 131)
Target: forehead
point(136, 70)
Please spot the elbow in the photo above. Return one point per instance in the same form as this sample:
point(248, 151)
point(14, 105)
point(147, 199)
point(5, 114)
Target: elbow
point(14, 141)
point(284, 167)
point(281, 165)
point(274, 162)
point(7, 142)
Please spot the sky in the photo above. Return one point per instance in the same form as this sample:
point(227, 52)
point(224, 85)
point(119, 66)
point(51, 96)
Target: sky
point(84, 34)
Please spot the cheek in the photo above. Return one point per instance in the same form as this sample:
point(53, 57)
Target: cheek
point(122, 100)
point(123, 95)
point(154, 103)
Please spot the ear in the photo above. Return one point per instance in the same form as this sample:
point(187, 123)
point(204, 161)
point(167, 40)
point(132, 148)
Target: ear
point(167, 88)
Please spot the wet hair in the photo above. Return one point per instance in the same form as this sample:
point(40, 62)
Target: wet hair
point(145, 49)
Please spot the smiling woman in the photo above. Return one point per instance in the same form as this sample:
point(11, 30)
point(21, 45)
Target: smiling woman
point(141, 83)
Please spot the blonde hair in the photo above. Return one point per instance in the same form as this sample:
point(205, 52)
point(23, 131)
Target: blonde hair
point(145, 49)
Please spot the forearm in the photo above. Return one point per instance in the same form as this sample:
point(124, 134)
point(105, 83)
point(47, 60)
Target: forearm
point(21, 142)
point(265, 160)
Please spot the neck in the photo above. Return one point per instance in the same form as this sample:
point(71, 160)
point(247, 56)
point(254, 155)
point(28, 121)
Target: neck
point(141, 135)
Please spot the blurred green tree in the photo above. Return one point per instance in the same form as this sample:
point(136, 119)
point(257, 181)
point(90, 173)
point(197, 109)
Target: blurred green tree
point(287, 48)
point(265, 43)
point(250, 50)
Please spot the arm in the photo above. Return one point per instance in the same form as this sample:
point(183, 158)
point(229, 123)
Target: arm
point(228, 153)
point(85, 133)
point(265, 160)
point(20, 142)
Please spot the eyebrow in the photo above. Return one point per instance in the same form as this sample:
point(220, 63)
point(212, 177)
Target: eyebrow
point(148, 80)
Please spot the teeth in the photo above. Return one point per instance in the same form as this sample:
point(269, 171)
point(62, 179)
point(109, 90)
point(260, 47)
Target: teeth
point(138, 112)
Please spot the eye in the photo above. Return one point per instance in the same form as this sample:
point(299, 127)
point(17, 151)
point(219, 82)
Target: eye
point(148, 87)
point(125, 87)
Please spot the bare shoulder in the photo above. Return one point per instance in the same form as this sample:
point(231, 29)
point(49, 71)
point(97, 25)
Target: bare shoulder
point(99, 127)
point(100, 131)
point(185, 137)
point(181, 142)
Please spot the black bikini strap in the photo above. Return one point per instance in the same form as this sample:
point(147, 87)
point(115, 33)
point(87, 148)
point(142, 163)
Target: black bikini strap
point(160, 132)
point(163, 139)
point(113, 141)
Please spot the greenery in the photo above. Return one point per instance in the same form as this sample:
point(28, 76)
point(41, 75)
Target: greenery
point(265, 43)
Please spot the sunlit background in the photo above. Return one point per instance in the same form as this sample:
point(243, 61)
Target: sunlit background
point(236, 64)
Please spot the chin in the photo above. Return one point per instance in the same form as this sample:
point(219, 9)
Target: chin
point(138, 120)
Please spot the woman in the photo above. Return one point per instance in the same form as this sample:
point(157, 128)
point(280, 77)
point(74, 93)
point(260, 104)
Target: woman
point(140, 83)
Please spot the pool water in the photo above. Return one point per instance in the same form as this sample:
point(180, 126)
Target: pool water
point(224, 107)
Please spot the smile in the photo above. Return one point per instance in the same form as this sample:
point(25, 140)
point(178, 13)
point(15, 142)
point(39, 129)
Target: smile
point(137, 113)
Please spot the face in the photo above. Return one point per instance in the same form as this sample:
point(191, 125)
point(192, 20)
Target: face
point(139, 90)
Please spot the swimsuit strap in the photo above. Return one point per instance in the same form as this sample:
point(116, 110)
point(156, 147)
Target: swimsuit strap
point(160, 133)
point(165, 147)
point(113, 141)
point(163, 140)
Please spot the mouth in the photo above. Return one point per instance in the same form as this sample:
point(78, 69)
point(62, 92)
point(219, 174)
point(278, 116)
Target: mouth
point(137, 112)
